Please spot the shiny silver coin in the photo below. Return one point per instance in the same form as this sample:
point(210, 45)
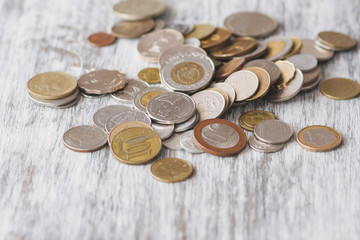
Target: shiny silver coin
point(173, 142)
point(228, 89)
point(288, 43)
point(311, 85)
point(103, 114)
point(192, 42)
point(57, 102)
point(309, 47)
point(164, 131)
point(260, 50)
point(259, 146)
point(304, 62)
point(245, 84)
point(179, 49)
point(132, 88)
point(171, 108)
point(144, 96)
point(188, 124)
point(187, 72)
point(273, 131)
point(126, 116)
point(179, 26)
point(269, 66)
point(288, 91)
point(209, 104)
point(187, 142)
point(85, 95)
point(84, 138)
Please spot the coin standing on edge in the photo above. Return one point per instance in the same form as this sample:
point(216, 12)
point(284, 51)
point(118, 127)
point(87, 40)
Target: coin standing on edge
point(171, 170)
point(273, 131)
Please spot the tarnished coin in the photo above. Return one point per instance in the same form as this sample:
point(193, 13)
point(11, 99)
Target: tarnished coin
point(253, 24)
point(173, 142)
point(260, 50)
point(218, 37)
point(57, 102)
point(228, 68)
point(179, 50)
point(150, 75)
point(84, 138)
point(136, 145)
point(209, 104)
point(340, 88)
point(163, 130)
point(201, 31)
point(269, 66)
point(144, 96)
point(125, 125)
point(297, 44)
point(132, 88)
point(259, 146)
point(309, 47)
point(132, 29)
point(171, 108)
point(310, 77)
point(171, 170)
point(264, 82)
point(304, 62)
point(134, 10)
point(228, 89)
point(103, 114)
point(278, 48)
point(219, 137)
point(51, 85)
point(250, 119)
point(192, 42)
point(126, 116)
point(336, 41)
point(188, 124)
point(318, 138)
point(151, 45)
point(101, 39)
point(287, 70)
point(245, 84)
point(181, 27)
point(273, 131)
point(102, 81)
point(311, 85)
point(187, 142)
point(237, 47)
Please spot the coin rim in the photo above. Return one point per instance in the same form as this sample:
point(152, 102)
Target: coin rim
point(188, 175)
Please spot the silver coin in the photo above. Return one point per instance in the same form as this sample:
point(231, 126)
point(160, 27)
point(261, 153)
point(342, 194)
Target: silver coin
point(193, 42)
point(187, 142)
point(245, 84)
point(85, 95)
point(188, 124)
point(126, 116)
point(259, 146)
point(179, 49)
point(179, 26)
point(228, 89)
point(172, 67)
point(309, 47)
point(57, 102)
point(84, 138)
point(289, 91)
point(216, 62)
point(209, 104)
point(220, 135)
point(171, 108)
point(260, 50)
point(135, 10)
point(128, 94)
point(164, 131)
point(273, 131)
point(143, 94)
point(304, 62)
point(103, 114)
point(73, 103)
point(311, 85)
point(288, 43)
point(173, 142)
point(269, 66)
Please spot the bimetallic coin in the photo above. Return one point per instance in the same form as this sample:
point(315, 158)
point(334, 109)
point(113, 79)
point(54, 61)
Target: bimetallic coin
point(56, 102)
point(143, 97)
point(171, 170)
point(273, 131)
point(287, 70)
point(250, 119)
point(237, 47)
point(278, 48)
point(101, 39)
point(201, 31)
point(192, 42)
point(264, 82)
point(84, 138)
point(126, 116)
point(336, 41)
point(132, 88)
point(187, 142)
point(123, 126)
point(181, 27)
point(188, 124)
point(171, 108)
point(260, 50)
point(132, 29)
point(150, 75)
point(134, 10)
point(103, 114)
point(209, 104)
point(304, 62)
point(309, 47)
point(228, 68)
point(268, 66)
point(228, 89)
point(245, 84)
point(220, 36)
point(340, 88)
point(318, 138)
point(163, 130)
point(297, 44)
point(259, 146)
point(253, 24)
point(179, 50)
point(173, 142)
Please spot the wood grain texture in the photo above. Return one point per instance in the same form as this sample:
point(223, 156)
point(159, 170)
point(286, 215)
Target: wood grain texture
point(49, 192)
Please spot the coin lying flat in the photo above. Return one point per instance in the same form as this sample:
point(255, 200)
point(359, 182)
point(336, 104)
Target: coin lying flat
point(183, 28)
point(173, 142)
point(273, 131)
point(340, 88)
point(103, 114)
point(237, 47)
point(134, 10)
point(268, 66)
point(188, 124)
point(132, 88)
point(84, 138)
point(132, 29)
point(101, 39)
point(209, 104)
point(201, 31)
point(245, 84)
point(51, 85)
point(57, 102)
point(319, 138)
point(171, 170)
point(144, 96)
point(218, 37)
point(304, 62)
point(250, 119)
point(125, 125)
point(253, 24)
point(163, 130)
point(102, 81)
point(150, 75)
point(336, 41)
point(259, 146)
point(264, 82)
point(309, 47)
point(187, 142)
point(297, 44)
point(178, 50)
point(228, 68)
point(278, 48)
point(260, 50)
point(126, 116)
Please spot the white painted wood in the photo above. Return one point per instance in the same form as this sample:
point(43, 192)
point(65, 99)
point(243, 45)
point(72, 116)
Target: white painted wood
point(49, 192)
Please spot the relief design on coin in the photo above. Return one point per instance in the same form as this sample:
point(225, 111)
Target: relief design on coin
point(209, 104)
point(130, 91)
point(171, 170)
point(126, 116)
point(319, 137)
point(187, 73)
point(84, 138)
point(220, 135)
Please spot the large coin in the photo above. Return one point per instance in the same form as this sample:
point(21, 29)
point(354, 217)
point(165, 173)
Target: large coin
point(171, 170)
point(103, 114)
point(268, 66)
point(84, 138)
point(187, 142)
point(245, 84)
point(340, 88)
point(209, 104)
point(57, 102)
point(132, 29)
point(123, 126)
point(201, 31)
point(179, 49)
point(126, 116)
point(237, 47)
point(273, 131)
point(144, 96)
point(133, 10)
point(309, 47)
point(259, 146)
point(220, 36)
point(336, 41)
point(132, 88)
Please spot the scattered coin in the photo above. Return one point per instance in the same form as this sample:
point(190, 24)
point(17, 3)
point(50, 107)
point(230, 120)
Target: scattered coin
point(163, 130)
point(297, 44)
point(249, 120)
point(144, 96)
point(126, 125)
point(259, 146)
point(150, 75)
point(237, 47)
point(132, 29)
point(287, 70)
point(260, 50)
point(187, 142)
point(245, 84)
point(132, 88)
point(309, 47)
point(126, 116)
point(57, 103)
point(268, 66)
point(86, 95)
point(101, 39)
point(192, 42)
point(304, 62)
point(103, 114)
point(188, 124)
point(273, 131)
point(134, 10)
point(171, 170)
point(278, 48)
point(311, 85)
point(336, 41)
point(178, 50)
point(310, 77)
point(340, 88)
point(228, 89)
point(209, 104)
point(181, 27)
point(264, 82)
point(217, 38)
point(228, 68)
point(201, 31)
point(173, 142)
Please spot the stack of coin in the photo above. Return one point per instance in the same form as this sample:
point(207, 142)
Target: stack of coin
point(249, 120)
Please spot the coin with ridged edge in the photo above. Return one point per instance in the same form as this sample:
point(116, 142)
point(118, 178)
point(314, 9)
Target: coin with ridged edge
point(171, 170)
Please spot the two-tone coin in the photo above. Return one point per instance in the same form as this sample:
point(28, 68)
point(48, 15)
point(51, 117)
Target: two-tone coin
point(128, 93)
point(278, 48)
point(171, 170)
point(297, 44)
point(144, 96)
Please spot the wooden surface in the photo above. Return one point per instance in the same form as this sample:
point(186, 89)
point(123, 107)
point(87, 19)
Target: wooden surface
point(50, 192)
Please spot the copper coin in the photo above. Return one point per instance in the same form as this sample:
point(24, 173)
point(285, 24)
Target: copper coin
point(219, 137)
point(228, 68)
point(132, 29)
point(237, 47)
point(220, 36)
point(311, 85)
point(101, 39)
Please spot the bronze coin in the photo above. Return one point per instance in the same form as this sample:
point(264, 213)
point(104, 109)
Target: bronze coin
point(132, 29)
point(228, 68)
point(101, 39)
point(237, 47)
point(220, 36)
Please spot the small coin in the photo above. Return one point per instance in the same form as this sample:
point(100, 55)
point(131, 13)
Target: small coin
point(103, 114)
point(187, 142)
point(304, 62)
point(219, 137)
point(245, 84)
point(201, 31)
point(336, 41)
point(253, 24)
point(273, 131)
point(132, 29)
point(287, 70)
point(312, 76)
point(264, 82)
point(51, 85)
point(137, 145)
point(218, 37)
point(171, 170)
point(259, 146)
point(144, 96)
point(297, 44)
point(125, 116)
point(173, 142)
point(229, 91)
point(260, 50)
point(178, 50)
point(188, 124)
point(123, 126)
point(278, 48)
point(171, 108)
point(134, 10)
point(318, 138)
point(309, 47)
point(268, 66)
point(237, 47)
point(57, 102)
point(311, 85)
point(192, 42)
point(101, 39)
point(228, 68)
point(150, 75)
point(209, 104)
point(132, 88)
point(250, 119)
point(163, 130)
point(181, 27)
point(84, 138)
point(340, 88)
point(102, 81)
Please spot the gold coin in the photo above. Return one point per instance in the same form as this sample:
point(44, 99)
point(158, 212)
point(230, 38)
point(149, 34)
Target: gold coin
point(137, 145)
point(336, 41)
point(244, 126)
point(148, 96)
point(171, 170)
point(274, 48)
point(150, 75)
point(340, 88)
point(220, 36)
point(319, 138)
point(51, 85)
point(236, 47)
point(201, 31)
point(264, 80)
point(187, 73)
point(124, 126)
point(287, 71)
point(250, 119)
point(297, 44)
